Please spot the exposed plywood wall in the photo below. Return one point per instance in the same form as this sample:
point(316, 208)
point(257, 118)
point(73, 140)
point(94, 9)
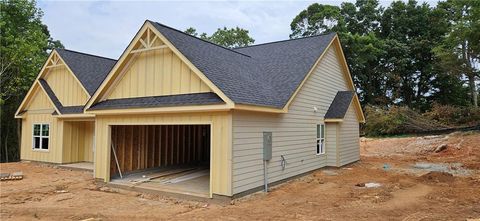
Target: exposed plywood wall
point(78, 141)
point(155, 73)
point(67, 89)
point(220, 144)
point(54, 153)
point(140, 147)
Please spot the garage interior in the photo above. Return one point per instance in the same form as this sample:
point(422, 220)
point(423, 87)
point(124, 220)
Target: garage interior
point(166, 158)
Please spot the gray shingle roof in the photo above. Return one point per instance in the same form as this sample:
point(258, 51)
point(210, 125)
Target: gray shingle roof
point(57, 103)
point(53, 97)
point(159, 101)
point(339, 106)
point(90, 70)
point(264, 75)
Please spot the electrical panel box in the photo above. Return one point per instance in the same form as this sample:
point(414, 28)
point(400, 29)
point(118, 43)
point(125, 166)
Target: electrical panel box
point(267, 145)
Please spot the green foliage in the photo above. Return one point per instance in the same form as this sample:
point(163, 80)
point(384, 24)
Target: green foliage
point(230, 38)
point(24, 46)
point(393, 53)
point(459, 51)
point(191, 31)
point(317, 19)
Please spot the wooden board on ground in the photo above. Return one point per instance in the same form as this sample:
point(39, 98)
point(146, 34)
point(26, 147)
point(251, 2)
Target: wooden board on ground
point(12, 176)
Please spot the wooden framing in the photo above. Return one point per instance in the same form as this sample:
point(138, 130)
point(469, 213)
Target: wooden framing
point(54, 62)
point(220, 174)
point(142, 147)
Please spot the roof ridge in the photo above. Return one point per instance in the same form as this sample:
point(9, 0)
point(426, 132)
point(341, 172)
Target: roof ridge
point(292, 39)
point(174, 29)
point(83, 53)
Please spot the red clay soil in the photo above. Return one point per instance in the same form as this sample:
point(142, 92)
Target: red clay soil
point(49, 193)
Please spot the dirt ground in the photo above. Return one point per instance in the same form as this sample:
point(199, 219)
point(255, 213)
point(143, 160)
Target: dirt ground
point(402, 166)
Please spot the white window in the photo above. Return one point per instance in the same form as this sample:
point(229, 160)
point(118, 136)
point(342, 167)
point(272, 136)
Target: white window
point(320, 139)
point(41, 133)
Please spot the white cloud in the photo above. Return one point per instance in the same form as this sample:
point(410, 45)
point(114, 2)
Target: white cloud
point(105, 28)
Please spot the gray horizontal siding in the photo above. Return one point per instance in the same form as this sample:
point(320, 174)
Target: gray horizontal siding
point(331, 144)
point(294, 133)
point(349, 150)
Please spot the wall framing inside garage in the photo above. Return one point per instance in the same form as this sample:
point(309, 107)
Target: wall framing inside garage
point(142, 147)
point(221, 142)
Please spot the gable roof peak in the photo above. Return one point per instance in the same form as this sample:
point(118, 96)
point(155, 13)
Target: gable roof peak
point(173, 29)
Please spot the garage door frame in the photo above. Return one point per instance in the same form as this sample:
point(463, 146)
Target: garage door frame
point(166, 123)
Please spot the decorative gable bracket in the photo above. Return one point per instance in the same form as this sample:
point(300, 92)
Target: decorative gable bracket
point(147, 42)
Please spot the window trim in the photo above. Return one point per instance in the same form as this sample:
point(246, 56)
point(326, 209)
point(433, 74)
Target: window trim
point(41, 137)
point(320, 139)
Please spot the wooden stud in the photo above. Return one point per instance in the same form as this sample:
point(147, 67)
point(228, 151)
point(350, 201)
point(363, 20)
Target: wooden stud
point(148, 49)
point(145, 46)
point(154, 147)
point(122, 147)
point(54, 66)
point(153, 40)
point(182, 140)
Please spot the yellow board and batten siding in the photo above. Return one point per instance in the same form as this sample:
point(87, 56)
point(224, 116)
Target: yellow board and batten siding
point(294, 133)
point(156, 73)
point(221, 157)
point(67, 89)
point(39, 101)
point(38, 111)
point(78, 141)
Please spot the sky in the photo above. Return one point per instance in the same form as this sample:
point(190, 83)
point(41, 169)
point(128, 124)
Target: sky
point(105, 28)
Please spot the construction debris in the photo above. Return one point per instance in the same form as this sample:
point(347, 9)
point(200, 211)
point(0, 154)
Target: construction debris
point(12, 176)
point(441, 148)
point(369, 185)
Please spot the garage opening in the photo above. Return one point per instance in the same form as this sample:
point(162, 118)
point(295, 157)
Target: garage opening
point(167, 158)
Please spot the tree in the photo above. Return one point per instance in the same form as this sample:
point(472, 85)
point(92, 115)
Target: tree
point(356, 25)
point(459, 51)
point(317, 19)
point(24, 46)
point(390, 51)
point(230, 38)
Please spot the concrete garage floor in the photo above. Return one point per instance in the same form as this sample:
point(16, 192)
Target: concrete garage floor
point(86, 166)
point(177, 181)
